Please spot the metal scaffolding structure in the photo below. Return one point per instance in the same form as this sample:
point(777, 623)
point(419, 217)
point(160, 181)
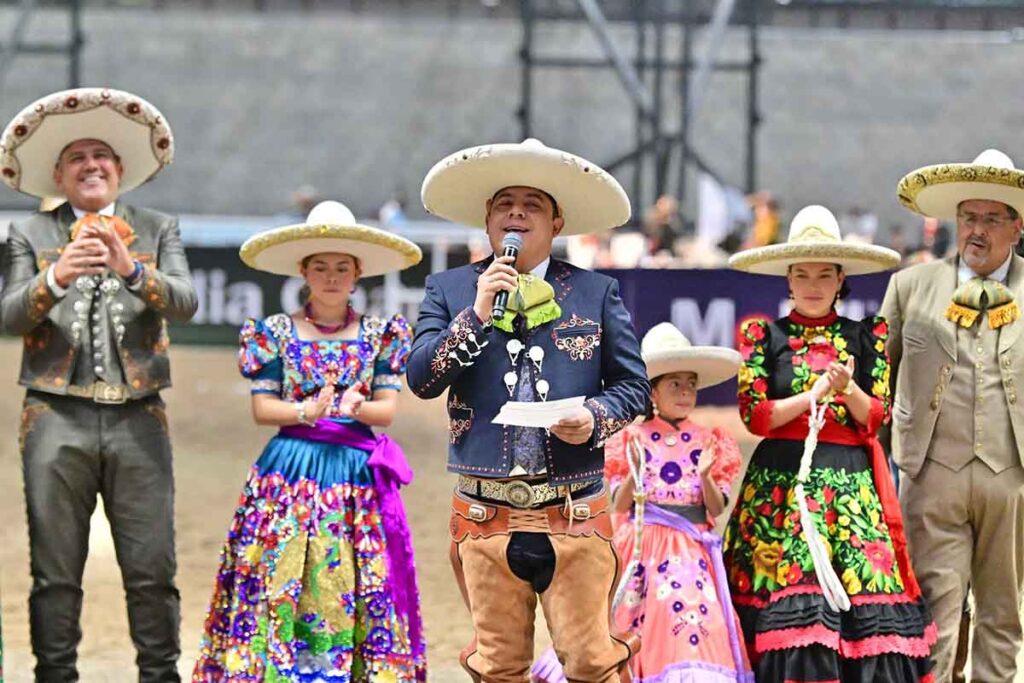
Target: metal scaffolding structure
point(15, 44)
point(664, 64)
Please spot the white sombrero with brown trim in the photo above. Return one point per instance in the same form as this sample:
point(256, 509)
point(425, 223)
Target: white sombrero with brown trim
point(938, 191)
point(133, 128)
point(590, 199)
point(814, 237)
point(329, 228)
point(665, 349)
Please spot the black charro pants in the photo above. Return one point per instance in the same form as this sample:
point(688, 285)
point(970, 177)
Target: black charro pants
point(72, 450)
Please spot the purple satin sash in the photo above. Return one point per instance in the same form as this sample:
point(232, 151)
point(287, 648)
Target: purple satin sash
point(390, 470)
point(712, 543)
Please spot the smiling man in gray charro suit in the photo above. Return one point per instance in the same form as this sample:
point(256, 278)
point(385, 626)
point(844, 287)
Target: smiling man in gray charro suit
point(957, 353)
point(89, 286)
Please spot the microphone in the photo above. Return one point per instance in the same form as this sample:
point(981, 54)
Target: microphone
point(510, 247)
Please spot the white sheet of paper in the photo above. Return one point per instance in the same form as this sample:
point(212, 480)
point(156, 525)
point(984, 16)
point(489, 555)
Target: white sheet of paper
point(537, 413)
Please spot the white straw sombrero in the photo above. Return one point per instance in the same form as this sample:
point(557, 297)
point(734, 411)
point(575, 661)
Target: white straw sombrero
point(665, 349)
point(329, 228)
point(131, 126)
point(937, 191)
point(590, 199)
point(814, 238)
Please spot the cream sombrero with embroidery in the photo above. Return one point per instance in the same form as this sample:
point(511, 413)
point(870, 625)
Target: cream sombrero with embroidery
point(814, 237)
point(590, 199)
point(665, 349)
point(937, 191)
point(131, 126)
point(329, 228)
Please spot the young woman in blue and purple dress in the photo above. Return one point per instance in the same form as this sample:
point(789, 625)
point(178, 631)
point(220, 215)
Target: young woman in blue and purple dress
point(317, 580)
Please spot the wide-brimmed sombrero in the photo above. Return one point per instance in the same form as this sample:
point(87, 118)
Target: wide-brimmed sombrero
point(938, 190)
point(590, 199)
point(665, 349)
point(814, 237)
point(329, 228)
point(131, 126)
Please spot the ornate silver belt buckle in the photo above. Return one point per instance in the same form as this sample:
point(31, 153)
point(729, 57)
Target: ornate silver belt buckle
point(519, 494)
point(581, 511)
point(477, 513)
point(109, 393)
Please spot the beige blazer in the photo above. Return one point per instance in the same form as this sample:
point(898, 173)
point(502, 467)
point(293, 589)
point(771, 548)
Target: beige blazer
point(923, 350)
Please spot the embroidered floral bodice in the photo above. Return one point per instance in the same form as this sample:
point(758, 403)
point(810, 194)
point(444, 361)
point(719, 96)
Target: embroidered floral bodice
point(671, 455)
point(278, 361)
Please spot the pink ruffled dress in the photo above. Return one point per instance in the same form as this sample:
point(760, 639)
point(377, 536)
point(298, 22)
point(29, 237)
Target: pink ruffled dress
point(678, 598)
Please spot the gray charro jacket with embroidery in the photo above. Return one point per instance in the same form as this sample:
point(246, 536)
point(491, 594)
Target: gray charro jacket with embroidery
point(57, 332)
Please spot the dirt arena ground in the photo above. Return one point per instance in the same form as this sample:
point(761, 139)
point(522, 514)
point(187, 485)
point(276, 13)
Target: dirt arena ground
point(214, 444)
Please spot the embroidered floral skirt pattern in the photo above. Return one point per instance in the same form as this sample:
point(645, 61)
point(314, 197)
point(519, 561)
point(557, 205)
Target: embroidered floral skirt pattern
point(303, 590)
point(676, 605)
point(791, 633)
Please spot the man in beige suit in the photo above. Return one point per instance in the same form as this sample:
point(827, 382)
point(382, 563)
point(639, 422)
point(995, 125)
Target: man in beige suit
point(957, 353)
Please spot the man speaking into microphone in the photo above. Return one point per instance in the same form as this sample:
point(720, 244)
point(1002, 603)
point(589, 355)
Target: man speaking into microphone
point(529, 515)
point(510, 245)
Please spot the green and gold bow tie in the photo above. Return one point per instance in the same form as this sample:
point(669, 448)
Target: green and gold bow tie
point(978, 294)
point(534, 299)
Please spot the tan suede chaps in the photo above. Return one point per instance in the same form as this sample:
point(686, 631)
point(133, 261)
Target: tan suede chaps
point(576, 602)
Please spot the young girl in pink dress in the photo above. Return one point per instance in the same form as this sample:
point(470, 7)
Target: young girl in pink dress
point(675, 595)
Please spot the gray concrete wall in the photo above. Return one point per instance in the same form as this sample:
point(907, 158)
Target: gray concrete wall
point(361, 105)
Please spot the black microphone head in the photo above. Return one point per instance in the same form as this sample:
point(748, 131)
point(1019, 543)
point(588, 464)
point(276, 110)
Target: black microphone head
point(513, 240)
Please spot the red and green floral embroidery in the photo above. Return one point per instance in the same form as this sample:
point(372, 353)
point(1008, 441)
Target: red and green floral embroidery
point(753, 374)
point(767, 549)
point(814, 348)
point(880, 369)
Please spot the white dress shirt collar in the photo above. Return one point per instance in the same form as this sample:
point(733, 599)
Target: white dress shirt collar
point(964, 272)
point(105, 211)
point(541, 270)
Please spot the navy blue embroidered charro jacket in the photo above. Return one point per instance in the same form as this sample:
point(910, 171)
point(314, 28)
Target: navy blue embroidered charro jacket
point(590, 350)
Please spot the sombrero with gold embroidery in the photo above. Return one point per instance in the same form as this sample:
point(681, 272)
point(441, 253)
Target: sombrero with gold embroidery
point(590, 199)
point(937, 191)
point(131, 126)
point(665, 349)
point(329, 228)
point(814, 237)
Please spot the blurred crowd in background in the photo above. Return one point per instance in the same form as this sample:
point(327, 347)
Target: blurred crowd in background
point(668, 238)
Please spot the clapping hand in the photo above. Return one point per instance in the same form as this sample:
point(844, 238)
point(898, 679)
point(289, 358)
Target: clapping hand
point(821, 388)
point(352, 400)
point(707, 459)
point(321, 406)
point(840, 375)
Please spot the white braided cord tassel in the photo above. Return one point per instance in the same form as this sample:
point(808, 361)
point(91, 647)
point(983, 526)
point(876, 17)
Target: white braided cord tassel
point(831, 586)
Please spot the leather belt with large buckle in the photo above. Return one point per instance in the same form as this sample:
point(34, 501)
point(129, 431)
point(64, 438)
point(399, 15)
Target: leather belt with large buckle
point(101, 392)
point(517, 492)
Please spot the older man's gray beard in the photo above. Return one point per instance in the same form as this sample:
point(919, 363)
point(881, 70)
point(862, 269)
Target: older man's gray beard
point(978, 255)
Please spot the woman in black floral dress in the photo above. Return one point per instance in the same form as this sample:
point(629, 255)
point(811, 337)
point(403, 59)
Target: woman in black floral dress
point(874, 626)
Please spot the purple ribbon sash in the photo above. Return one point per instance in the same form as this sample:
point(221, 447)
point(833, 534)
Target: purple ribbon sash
point(712, 543)
point(390, 470)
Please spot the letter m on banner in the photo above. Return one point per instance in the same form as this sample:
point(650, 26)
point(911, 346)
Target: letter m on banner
point(716, 327)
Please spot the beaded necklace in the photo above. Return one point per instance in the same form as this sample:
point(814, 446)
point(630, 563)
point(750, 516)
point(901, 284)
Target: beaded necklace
point(350, 317)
